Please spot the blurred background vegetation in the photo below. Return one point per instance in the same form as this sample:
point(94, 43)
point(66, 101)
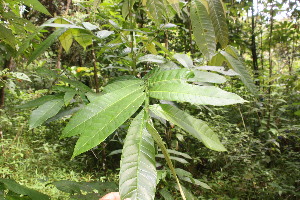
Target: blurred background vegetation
point(262, 136)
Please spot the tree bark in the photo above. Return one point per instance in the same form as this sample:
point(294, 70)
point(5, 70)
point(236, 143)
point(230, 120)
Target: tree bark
point(7, 65)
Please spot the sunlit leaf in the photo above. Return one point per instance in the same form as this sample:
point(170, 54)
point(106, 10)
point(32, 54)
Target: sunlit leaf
point(184, 59)
point(103, 116)
point(175, 75)
point(164, 150)
point(202, 95)
point(217, 15)
point(203, 29)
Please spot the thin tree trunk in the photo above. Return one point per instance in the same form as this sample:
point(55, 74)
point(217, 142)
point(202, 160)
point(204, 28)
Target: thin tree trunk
point(253, 46)
point(96, 79)
point(7, 65)
point(270, 64)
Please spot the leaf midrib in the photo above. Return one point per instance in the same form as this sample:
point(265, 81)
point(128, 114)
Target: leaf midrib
point(104, 109)
point(113, 118)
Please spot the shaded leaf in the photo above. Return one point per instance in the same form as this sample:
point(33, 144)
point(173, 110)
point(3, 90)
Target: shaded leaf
point(166, 194)
point(69, 96)
point(196, 127)
point(151, 58)
point(44, 112)
point(178, 159)
point(46, 44)
point(22, 190)
point(138, 171)
point(39, 101)
point(155, 9)
point(7, 36)
point(239, 67)
point(161, 145)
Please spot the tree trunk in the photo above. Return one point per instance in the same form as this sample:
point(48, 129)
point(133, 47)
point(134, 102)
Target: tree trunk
point(7, 65)
point(270, 64)
point(253, 46)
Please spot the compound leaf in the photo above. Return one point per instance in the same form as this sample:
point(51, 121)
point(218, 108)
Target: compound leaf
point(138, 172)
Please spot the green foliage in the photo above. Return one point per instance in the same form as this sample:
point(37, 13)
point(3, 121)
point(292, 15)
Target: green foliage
point(203, 28)
point(145, 69)
point(197, 128)
point(18, 191)
point(138, 167)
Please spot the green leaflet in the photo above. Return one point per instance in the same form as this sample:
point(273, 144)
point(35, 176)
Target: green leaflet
point(203, 29)
point(208, 77)
point(44, 112)
point(164, 150)
point(22, 190)
point(46, 44)
point(7, 36)
point(176, 75)
point(122, 84)
point(184, 59)
point(138, 172)
point(39, 101)
point(82, 87)
point(152, 58)
point(217, 15)
point(103, 116)
point(238, 66)
point(66, 40)
point(166, 194)
point(203, 95)
point(175, 5)
point(127, 5)
point(196, 127)
point(69, 96)
point(155, 9)
point(83, 37)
